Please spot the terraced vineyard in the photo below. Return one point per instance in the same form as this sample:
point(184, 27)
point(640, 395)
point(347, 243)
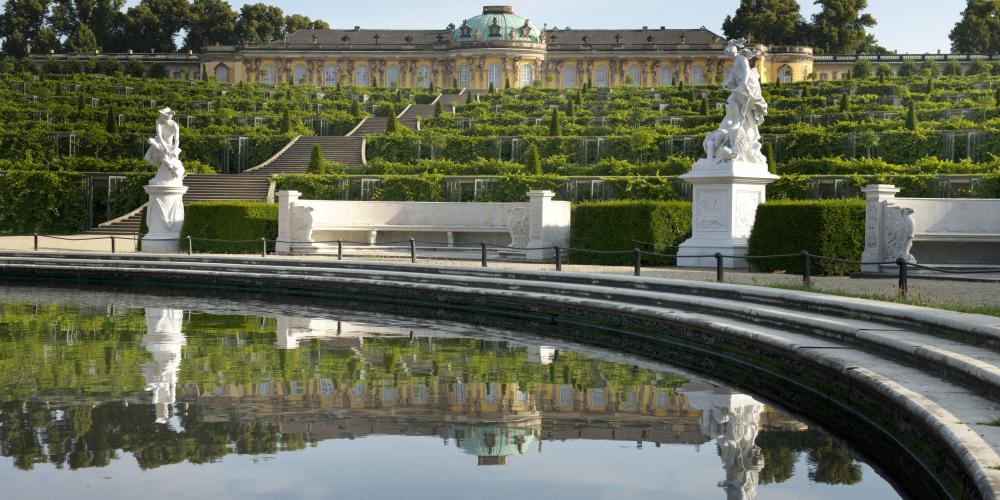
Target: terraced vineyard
point(75, 141)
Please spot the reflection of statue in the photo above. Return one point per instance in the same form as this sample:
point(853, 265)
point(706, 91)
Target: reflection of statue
point(164, 340)
point(733, 420)
point(164, 151)
point(738, 136)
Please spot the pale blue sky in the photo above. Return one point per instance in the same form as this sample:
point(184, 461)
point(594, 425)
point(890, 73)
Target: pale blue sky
point(915, 26)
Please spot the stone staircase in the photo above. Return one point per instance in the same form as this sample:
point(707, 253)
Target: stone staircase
point(347, 151)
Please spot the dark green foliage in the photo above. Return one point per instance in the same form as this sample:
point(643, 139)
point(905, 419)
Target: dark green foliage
point(42, 202)
point(157, 70)
point(468, 97)
point(555, 124)
point(506, 84)
point(438, 109)
point(570, 108)
point(772, 22)
point(317, 165)
point(230, 220)
point(772, 164)
point(845, 102)
point(840, 27)
point(978, 32)
point(862, 69)
point(996, 96)
point(704, 107)
point(492, 88)
point(532, 160)
point(832, 228)
point(911, 116)
point(423, 187)
point(111, 122)
point(355, 109)
point(392, 123)
point(651, 226)
point(286, 121)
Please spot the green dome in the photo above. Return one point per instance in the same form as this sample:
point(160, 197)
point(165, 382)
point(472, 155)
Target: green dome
point(497, 23)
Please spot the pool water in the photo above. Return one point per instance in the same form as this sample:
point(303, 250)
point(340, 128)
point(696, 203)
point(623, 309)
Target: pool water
point(107, 395)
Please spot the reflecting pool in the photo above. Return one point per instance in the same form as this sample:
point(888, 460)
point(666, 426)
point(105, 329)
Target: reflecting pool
point(106, 395)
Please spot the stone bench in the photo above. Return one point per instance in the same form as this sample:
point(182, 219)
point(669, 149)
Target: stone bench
point(315, 226)
point(945, 231)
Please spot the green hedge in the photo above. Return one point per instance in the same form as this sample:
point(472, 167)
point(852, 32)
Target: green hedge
point(832, 228)
point(42, 202)
point(655, 226)
point(230, 220)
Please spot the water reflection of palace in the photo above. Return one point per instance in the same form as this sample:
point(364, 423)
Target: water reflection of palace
point(489, 420)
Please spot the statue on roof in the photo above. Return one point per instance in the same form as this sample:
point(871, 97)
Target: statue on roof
point(738, 136)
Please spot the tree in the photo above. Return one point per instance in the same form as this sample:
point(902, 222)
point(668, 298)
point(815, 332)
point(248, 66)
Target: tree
point(468, 97)
point(996, 97)
point(908, 69)
point(438, 109)
point(845, 102)
point(979, 67)
point(392, 123)
point(316, 162)
point(840, 27)
point(82, 40)
point(152, 24)
point(772, 165)
point(862, 69)
point(978, 32)
point(555, 127)
point(532, 160)
point(157, 70)
point(286, 121)
point(930, 68)
point(104, 17)
point(883, 71)
point(953, 68)
point(911, 116)
point(20, 24)
point(492, 88)
point(134, 68)
point(355, 109)
point(570, 108)
point(704, 106)
point(111, 122)
point(298, 22)
point(260, 23)
point(773, 22)
point(210, 22)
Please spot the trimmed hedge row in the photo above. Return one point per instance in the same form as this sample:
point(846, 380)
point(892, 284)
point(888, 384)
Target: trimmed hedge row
point(832, 228)
point(230, 220)
point(42, 202)
point(653, 226)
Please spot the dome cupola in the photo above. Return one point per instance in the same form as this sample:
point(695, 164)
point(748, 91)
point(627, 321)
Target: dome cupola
point(497, 23)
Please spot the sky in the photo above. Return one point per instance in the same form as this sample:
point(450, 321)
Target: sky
point(912, 26)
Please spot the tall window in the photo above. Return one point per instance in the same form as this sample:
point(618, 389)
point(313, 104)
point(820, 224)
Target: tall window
point(601, 79)
point(527, 75)
point(424, 76)
point(300, 75)
point(698, 76)
point(785, 74)
point(393, 76)
point(268, 74)
point(222, 73)
point(330, 75)
point(634, 76)
point(569, 78)
point(361, 76)
point(463, 76)
point(666, 77)
point(494, 76)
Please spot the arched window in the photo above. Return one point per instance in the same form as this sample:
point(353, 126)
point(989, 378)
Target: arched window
point(268, 74)
point(300, 75)
point(698, 76)
point(785, 74)
point(601, 80)
point(222, 73)
point(666, 77)
point(569, 78)
point(330, 75)
point(494, 76)
point(527, 75)
point(424, 76)
point(464, 76)
point(392, 76)
point(361, 76)
point(634, 76)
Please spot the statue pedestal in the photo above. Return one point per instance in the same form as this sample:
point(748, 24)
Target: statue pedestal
point(724, 202)
point(165, 218)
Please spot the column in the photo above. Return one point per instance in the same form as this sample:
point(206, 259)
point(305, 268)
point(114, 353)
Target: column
point(877, 197)
point(285, 201)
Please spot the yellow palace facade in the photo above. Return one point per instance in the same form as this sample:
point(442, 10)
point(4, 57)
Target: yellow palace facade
point(496, 49)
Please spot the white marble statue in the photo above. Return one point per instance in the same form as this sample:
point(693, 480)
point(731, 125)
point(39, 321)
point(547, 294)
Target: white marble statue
point(164, 151)
point(738, 136)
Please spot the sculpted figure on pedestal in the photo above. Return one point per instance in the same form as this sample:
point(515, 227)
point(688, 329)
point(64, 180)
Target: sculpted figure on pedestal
point(738, 136)
point(164, 151)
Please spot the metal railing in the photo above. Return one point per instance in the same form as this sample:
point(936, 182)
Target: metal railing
point(409, 248)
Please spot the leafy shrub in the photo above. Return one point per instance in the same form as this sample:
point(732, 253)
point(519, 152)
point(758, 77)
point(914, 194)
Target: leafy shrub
point(831, 228)
point(42, 202)
point(653, 226)
point(230, 220)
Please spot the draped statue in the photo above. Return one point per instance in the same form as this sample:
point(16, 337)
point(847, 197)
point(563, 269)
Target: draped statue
point(738, 136)
point(164, 151)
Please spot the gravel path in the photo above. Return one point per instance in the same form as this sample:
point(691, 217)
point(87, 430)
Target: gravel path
point(931, 291)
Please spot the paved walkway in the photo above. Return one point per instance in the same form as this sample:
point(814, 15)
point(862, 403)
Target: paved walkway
point(929, 291)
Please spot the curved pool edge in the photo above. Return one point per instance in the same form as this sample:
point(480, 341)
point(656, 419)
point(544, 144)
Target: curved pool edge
point(897, 419)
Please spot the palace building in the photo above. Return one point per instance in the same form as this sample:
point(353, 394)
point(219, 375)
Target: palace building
point(497, 48)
